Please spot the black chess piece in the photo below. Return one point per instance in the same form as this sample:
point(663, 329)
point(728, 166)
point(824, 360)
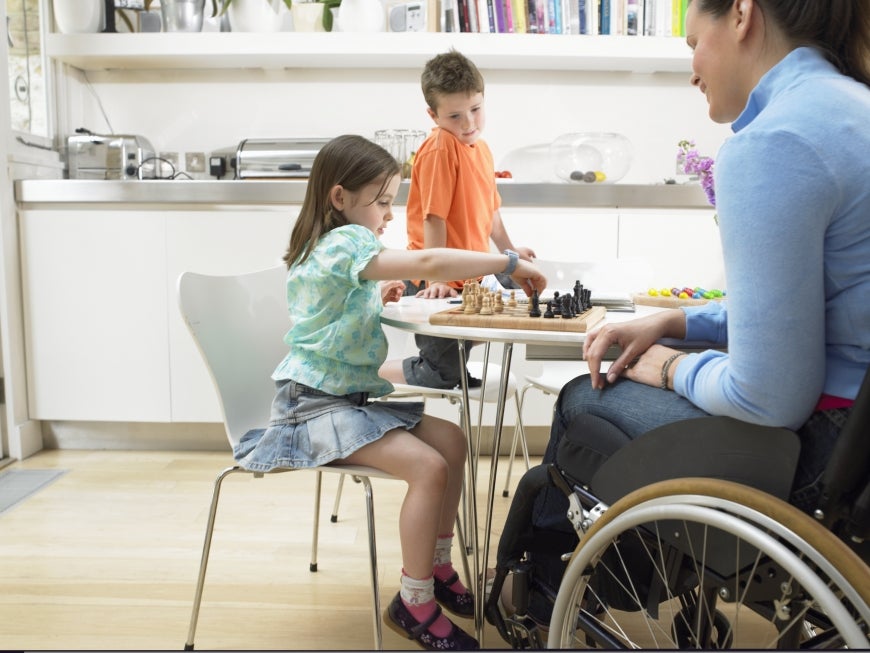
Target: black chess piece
point(578, 297)
point(567, 313)
point(534, 307)
point(557, 303)
point(549, 312)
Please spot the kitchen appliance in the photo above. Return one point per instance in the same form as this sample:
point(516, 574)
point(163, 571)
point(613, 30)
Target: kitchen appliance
point(115, 156)
point(269, 158)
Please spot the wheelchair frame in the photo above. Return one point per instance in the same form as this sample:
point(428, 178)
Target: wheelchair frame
point(794, 572)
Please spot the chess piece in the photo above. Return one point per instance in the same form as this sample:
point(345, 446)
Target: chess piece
point(512, 301)
point(567, 313)
point(534, 308)
point(498, 306)
point(557, 303)
point(549, 312)
point(486, 305)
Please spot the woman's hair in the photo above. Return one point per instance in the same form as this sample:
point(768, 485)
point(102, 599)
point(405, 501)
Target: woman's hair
point(349, 161)
point(449, 73)
point(839, 28)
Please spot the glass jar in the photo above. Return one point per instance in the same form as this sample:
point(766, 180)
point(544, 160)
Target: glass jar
point(591, 157)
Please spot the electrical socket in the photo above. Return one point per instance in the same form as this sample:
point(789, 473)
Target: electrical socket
point(171, 157)
point(194, 161)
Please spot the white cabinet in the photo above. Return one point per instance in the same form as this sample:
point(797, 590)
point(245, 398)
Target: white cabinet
point(105, 340)
point(95, 315)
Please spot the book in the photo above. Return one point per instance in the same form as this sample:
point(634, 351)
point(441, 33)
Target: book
point(604, 17)
point(520, 13)
point(482, 17)
point(498, 6)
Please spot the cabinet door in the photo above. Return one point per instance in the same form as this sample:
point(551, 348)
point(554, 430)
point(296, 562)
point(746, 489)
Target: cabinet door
point(682, 247)
point(213, 242)
point(94, 287)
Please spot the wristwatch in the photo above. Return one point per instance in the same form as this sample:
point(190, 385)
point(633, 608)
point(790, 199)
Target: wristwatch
point(513, 259)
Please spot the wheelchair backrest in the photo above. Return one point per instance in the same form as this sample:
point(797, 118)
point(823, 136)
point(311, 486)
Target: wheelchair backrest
point(844, 505)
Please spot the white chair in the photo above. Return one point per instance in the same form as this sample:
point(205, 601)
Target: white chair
point(238, 323)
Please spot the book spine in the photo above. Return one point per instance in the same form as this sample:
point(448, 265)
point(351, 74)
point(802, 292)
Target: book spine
point(490, 15)
point(482, 17)
point(472, 16)
point(604, 15)
point(541, 15)
point(509, 16)
point(521, 11)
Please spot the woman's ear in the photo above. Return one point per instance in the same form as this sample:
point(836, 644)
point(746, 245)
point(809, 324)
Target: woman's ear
point(744, 13)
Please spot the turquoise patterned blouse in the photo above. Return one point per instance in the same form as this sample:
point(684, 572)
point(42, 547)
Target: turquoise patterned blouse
point(336, 342)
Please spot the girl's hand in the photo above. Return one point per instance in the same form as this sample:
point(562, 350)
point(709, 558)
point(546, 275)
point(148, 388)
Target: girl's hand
point(391, 291)
point(529, 277)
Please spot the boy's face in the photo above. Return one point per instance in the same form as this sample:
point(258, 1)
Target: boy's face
point(462, 115)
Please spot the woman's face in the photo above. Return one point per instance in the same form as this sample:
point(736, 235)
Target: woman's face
point(716, 70)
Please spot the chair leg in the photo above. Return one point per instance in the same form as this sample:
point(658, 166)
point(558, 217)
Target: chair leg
point(318, 483)
point(334, 517)
point(206, 548)
point(460, 542)
point(373, 561)
point(519, 434)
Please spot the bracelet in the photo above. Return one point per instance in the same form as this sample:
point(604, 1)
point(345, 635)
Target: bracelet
point(513, 260)
point(667, 366)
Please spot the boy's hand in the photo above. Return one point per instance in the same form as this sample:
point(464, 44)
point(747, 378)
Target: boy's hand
point(526, 253)
point(437, 290)
point(392, 291)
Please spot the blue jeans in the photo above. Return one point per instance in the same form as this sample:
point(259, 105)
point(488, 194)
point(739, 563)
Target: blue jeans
point(635, 408)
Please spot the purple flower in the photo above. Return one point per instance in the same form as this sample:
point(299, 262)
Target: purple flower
point(692, 163)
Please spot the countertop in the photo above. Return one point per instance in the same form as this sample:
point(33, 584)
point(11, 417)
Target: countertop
point(278, 192)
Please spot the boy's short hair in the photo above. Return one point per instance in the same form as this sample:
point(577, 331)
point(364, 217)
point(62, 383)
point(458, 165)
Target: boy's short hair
point(448, 73)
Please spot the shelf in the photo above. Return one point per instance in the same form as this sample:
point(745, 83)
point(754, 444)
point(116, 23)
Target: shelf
point(228, 50)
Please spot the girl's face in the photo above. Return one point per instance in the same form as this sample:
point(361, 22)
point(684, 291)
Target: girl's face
point(462, 115)
point(364, 207)
point(715, 67)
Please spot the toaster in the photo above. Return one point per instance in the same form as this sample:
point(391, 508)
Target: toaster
point(283, 158)
point(115, 156)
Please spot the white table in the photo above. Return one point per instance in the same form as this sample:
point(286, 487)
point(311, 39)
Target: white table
point(412, 314)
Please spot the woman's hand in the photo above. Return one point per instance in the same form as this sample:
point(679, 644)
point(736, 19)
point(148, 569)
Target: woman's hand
point(634, 338)
point(391, 291)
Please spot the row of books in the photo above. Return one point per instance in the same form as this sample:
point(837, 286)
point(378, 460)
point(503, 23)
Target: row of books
point(626, 17)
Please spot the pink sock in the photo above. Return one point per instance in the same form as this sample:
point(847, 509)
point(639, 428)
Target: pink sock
point(418, 596)
point(443, 572)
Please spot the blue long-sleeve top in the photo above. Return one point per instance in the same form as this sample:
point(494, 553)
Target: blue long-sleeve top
point(793, 199)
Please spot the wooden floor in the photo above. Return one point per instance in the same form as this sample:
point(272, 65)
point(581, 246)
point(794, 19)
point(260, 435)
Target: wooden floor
point(106, 557)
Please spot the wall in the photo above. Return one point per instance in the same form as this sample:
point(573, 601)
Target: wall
point(185, 111)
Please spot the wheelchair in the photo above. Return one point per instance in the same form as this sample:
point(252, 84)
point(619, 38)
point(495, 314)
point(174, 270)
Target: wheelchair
point(684, 539)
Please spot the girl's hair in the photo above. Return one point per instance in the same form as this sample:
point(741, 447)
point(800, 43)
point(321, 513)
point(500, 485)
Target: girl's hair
point(449, 73)
point(839, 28)
point(349, 161)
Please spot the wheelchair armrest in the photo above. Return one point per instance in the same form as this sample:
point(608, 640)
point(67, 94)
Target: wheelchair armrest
point(762, 457)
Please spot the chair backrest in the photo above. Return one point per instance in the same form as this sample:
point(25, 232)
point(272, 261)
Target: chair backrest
point(238, 323)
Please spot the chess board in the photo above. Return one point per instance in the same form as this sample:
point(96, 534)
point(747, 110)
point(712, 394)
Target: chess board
point(518, 318)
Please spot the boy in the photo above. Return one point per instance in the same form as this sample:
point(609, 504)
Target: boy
point(452, 202)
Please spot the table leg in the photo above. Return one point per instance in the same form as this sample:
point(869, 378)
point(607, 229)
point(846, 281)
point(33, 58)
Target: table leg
point(471, 484)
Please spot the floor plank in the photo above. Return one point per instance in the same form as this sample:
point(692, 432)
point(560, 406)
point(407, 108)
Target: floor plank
point(106, 557)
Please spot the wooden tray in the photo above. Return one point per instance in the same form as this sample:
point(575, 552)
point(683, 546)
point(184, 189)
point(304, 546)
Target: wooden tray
point(645, 299)
point(518, 318)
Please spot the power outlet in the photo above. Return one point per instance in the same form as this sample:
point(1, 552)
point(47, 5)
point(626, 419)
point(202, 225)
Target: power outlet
point(171, 158)
point(194, 161)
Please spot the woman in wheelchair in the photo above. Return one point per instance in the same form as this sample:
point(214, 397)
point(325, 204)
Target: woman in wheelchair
point(793, 203)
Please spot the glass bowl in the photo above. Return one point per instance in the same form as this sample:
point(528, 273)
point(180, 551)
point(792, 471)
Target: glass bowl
point(591, 157)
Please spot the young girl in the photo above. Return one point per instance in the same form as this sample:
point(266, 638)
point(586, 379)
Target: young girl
point(321, 412)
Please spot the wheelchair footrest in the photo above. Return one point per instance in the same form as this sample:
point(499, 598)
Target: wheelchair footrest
point(524, 633)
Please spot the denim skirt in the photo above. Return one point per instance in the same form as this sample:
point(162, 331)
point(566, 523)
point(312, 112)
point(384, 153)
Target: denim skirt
point(308, 427)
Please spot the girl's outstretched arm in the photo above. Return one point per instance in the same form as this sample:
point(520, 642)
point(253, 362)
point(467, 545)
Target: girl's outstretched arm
point(445, 263)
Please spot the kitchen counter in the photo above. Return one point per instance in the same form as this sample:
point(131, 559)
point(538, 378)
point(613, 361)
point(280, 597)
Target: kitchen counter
point(249, 192)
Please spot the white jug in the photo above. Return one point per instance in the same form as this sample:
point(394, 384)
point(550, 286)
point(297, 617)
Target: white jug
point(79, 16)
point(256, 15)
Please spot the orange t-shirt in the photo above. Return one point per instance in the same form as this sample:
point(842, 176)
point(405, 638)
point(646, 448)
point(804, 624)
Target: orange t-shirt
point(455, 182)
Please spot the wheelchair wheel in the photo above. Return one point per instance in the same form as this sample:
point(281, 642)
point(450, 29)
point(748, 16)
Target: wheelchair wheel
point(706, 563)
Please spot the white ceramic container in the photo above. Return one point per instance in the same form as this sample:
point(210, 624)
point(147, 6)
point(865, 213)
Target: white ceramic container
point(78, 16)
point(256, 15)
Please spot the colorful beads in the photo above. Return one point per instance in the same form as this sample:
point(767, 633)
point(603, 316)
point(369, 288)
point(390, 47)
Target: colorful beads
point(686, 293)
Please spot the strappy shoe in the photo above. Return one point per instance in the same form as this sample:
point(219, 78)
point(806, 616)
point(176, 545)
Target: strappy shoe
point(398, 618)
point(461, 605)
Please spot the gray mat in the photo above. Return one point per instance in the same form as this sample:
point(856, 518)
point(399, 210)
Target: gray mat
point(18, 484)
